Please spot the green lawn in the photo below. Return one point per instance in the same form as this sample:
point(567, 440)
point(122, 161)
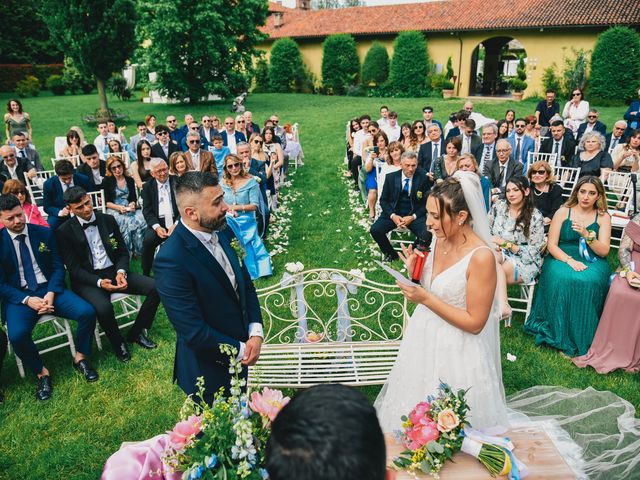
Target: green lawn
point(72, 435)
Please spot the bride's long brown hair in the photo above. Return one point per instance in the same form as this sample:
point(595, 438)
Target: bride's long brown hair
point(450, 198)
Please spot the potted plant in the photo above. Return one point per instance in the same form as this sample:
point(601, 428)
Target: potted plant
point(448, 85)
point(519, 83)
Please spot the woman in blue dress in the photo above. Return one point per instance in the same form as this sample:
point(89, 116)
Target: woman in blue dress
point(242, 194)
point(120, 195)
point(377, 156)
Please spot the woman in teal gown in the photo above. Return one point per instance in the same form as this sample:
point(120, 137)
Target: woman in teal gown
point(575, 275)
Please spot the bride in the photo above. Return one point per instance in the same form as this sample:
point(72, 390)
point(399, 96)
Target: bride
point(453, 335)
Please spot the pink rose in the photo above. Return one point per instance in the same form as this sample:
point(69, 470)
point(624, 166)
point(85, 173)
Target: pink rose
point(268, 403)
point(184, 432)
point(421, 434)
point(447, 420)
point(419, 412)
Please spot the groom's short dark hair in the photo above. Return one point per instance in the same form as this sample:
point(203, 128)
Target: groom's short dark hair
point(327, 432)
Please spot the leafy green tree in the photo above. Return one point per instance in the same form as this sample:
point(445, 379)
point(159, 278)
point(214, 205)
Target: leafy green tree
point(286, 69)
point(375, 68)
point(574, 73)
point(340, 63)
point(410, 64)
point(551, 80)
point(261, 75)
point(201, 48)
point(98, 35)
point(615, 65)
point(519, 83)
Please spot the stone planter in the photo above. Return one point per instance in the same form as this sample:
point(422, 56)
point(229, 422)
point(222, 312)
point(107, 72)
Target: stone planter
point(516, 96)
point(447, 93)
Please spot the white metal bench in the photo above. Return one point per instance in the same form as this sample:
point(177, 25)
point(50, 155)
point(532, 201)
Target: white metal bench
point(327, 326)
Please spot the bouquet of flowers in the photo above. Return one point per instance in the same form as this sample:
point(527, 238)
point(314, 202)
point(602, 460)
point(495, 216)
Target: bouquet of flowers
point(437, 429)
point(225, 440)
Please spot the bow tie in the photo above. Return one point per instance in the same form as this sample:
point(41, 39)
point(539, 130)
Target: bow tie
point(89, 224)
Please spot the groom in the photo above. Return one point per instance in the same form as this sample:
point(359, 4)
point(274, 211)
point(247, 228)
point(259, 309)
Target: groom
point(207, 294)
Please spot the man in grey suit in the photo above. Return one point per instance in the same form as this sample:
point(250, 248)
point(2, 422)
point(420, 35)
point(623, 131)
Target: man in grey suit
point(502, 169)
point(23, 150)
point(469, 138)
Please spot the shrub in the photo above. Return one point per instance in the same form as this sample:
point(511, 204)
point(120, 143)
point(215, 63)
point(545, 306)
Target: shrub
point(11, 74)
point(28, 87)
point(615, 64)
point(261, 75)
point(574, 74)
point(55, 83)
point(551, 80)
point(340, 63)
point(439, 82)
point(449, 73)
point(375, 69)
point(519, 83)
point(410, 65)
point(286, 69)
point(117, 85)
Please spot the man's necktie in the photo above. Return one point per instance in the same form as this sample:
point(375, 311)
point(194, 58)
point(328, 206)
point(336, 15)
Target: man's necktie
point(518, 150)
point(27, 264)
point(502, 169)
point(614, 142)
point(22, 154)
point(405, 189)
point(556, 148)
point(436, 152)
point(222, 259)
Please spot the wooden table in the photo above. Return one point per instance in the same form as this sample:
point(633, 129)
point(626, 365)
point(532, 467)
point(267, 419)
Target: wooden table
point(532, 446)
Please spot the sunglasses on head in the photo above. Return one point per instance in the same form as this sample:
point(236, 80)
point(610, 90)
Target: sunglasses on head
point(275, 121)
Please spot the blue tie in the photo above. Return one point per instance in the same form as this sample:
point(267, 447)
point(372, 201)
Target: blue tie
point(27, 264)
point(405, 189)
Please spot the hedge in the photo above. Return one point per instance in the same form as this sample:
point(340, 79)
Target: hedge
point(340, 63)
point(375, 69)
point(12, 73)
point(410, 65)
point(286, 69)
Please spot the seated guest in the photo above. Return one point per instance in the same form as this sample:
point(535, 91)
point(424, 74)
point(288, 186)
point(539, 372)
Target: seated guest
point(101, 141)
point(219, 152)
point(206, 130)
point(242, 195)
point(403, 204)
point(241, 126)
point(468, 163)
point(510, 118)
point(575, 110)
point(575, 275)
point(165, 146)
point(203, 143)
point(486, 151)
point(419, 130)
point(150, 122)
point(626, 156)
point(327, 432)
point(445, 165)
point(503, 129)
point(159, 209)
point(141, 169)
point(617, 340)
point(13, 167)
point(376, 156)
point(546, 109)
point(408, 138)
point(122, 202)
point(591, 158)
point(521, 144)
point(31, 211)
point(617, 135)
point(199, 157)
point(143, 134)
point(31, 285)
point(54, 188)
point(427, 118)
point(632, 115)
point(502, 169)
point(93, 168)
point(73, 148)
point(518, 235)
point(97, 259)
point(392, 164)
point(547, 194)
point(469, 138)
point(562, 145)
point(532, 123)
point(179, 164)
point(293, 148)
point(252, 127)
point(230, 136)
point(591, 125)
point(122, 149)
point(23, 150)
point(431, 150)
point(455, 126)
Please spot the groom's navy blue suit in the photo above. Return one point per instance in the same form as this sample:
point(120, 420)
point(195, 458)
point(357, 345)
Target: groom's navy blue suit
point(203, 307)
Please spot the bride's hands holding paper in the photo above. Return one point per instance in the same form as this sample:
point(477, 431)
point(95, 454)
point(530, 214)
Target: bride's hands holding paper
point(408, 256)
point(415, 294)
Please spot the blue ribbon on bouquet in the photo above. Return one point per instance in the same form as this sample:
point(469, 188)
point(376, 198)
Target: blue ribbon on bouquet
point(584, 250)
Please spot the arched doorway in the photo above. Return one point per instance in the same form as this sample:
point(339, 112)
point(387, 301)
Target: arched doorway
point(493, 64)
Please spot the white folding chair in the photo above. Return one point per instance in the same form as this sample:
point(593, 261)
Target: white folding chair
point(59, 144)
point(126, 306)
point(34, 187)
point(296, 137)
point(75, 159)
point(550, 158)
point(122, 155)
point(523, 302)
point(567, 178)
point(99, 202)
point(619, 190)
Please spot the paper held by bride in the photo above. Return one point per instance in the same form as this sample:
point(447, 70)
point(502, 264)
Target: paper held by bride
point(533, 447)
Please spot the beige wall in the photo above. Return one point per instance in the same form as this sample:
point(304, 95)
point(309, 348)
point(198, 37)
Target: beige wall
point(542, 47)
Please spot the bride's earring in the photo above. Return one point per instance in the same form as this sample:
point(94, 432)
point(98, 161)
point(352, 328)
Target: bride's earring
point(461, 222)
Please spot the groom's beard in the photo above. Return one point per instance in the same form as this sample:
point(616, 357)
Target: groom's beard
point(213, 224)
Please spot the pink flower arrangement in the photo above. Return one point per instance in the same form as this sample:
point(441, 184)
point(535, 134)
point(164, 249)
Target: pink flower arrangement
point(184, 432)
point(420, 411)
point(268, 403)
point(421, 433)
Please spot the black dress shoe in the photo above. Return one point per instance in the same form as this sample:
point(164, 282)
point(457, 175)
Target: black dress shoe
point(122, 352)
point(390, 258)
point(90, 375)
point(143, 341)
point(45, 388)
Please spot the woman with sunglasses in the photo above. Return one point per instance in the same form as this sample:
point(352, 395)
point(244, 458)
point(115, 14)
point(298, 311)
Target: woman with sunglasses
point(419, 131)
point(547, 194)
point(575, 110)
point(242, 195)
point(31, 211)
point(241, 125)
point(73, 148)
point(122, 203)
point(529, 128)
point(141, 169)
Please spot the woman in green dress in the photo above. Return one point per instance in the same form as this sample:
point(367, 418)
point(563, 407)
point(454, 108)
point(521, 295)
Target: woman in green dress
point(575, 275)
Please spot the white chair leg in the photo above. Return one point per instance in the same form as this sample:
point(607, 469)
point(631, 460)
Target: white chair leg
point(97, 335)
point(72, 345)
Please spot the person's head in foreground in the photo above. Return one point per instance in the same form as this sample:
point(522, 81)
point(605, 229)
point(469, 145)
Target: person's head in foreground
point(328, 432)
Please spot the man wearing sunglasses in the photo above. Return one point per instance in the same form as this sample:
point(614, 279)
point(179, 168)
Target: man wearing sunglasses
point(13, 167)
point(230, 136)
point(521, 144)
point(165, 146)
point(617, 136)
point(592, 124)
point(172, 126)
point(194, 128)
point(196, 151)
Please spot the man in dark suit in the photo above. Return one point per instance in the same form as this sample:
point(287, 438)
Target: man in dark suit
point(32, 284)
point(469, 138)
point(458, 120)
point(230, 136)
point(502, 169)
point(93, 168)
point(251, 126)
point(97, 258)
point(207, 294)
point(486, 151)
point(23, 150)
point(206, 130)
point(617, 136)
point(198, 154)
point(159, 209)
point(164, 147)
point(194, 128)
point(403, 204)
point(13, 167)
point(54, 188)
point(559, 143)
point(431, 150)
point(592, 124)
point(521, 144)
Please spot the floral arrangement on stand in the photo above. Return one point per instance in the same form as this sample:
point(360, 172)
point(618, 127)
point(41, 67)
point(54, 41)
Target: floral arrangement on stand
point(225, 440)
point(437, 429)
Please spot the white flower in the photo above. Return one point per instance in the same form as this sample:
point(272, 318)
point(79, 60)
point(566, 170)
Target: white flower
point(511, 358)
point(294, 267)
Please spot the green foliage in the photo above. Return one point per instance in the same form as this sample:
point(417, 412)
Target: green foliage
point(375, 69)
point(340, 63)
point(286, 69)
point(55, 83)
point(28, 87)
point(201, 48)
point(551, 80)
point(261, 75)
point(519, 83)
point(449, 73)
point(615, 64)
point(74, 80)
point(410, 65)
point(118, 86)
point(439, 82)
point(574, 73)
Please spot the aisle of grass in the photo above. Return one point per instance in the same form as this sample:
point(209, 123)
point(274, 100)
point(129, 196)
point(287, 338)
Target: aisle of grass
point(72, 435)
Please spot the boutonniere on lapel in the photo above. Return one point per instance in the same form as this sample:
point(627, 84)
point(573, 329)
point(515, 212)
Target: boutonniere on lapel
point(235, 244)
point(42, 248)
point(419, 194)
point(114, 243)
